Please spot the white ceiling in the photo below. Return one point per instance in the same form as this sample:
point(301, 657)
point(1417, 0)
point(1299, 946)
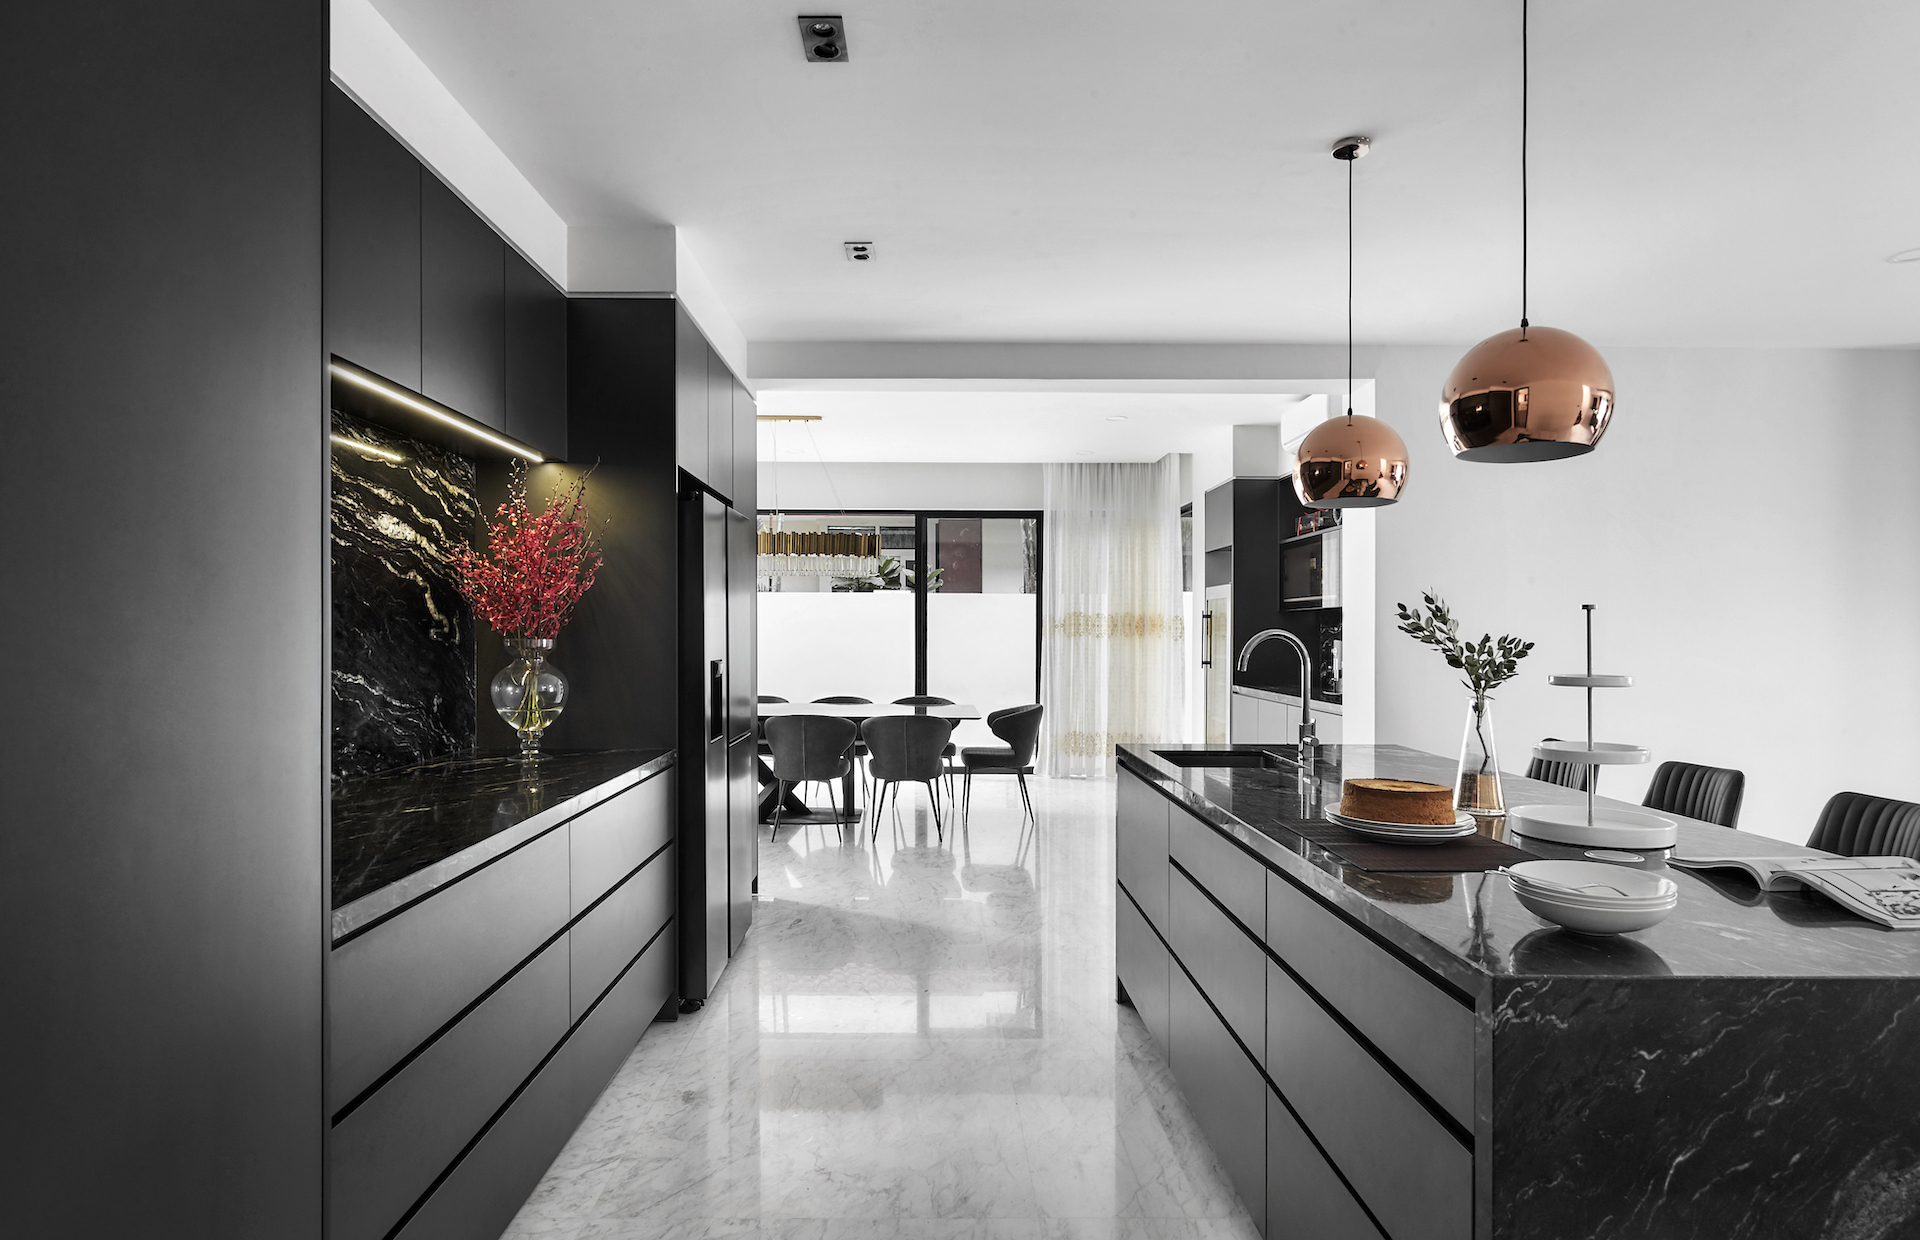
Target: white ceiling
point(1719, 172)
point(1005, 427)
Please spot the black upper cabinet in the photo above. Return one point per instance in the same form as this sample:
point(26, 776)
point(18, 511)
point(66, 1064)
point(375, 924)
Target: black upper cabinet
point(536, 358)
point(746, 443)
point(719, 425)
point(462, 296)
point(372, 244)
point(690, 394)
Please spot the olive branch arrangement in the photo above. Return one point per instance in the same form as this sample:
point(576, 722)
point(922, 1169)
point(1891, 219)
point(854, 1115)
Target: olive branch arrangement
point(1487, 663)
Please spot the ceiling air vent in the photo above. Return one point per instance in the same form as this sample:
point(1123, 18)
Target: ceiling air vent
point(858, 251)
point(823, 38)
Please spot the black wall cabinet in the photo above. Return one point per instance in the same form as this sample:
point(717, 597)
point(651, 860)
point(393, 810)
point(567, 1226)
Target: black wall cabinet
point(422, 291)
point(372, 196)
point(462, 306)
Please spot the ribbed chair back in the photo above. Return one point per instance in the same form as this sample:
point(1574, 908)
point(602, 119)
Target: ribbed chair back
point(810, 748)
point(1709, 793)
point(906, 747)
point(1019, 727)
point(768, 697)
point(1567, 774)
point(1856, 825)
point(842, 701)
point(922, 699)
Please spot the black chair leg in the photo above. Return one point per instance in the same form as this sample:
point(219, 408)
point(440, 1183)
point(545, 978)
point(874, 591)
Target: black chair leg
point(933, 799)
point(833, 802)
point(779, 803)
point(966, 797)
point(1024, 798)
point(873, 807)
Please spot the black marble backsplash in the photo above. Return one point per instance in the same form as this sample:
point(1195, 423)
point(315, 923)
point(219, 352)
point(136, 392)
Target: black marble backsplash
point(403, 658)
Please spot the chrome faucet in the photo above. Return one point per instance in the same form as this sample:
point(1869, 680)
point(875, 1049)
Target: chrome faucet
point(1309, 742)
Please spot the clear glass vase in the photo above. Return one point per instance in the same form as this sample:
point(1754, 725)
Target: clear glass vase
point(1476, 787)
point(529, 692)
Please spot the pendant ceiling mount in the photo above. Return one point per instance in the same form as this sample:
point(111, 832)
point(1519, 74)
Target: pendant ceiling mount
point(1530, 393)
point(1350, 460)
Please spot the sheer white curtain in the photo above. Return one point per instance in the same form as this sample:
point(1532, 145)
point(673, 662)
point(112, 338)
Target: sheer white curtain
point(1113, 669)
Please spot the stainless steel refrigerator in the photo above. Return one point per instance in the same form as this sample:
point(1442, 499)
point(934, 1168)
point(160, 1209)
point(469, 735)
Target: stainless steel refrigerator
point(718, 829)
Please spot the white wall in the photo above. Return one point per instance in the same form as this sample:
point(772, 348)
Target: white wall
point(809, 486)
point(1750, 529)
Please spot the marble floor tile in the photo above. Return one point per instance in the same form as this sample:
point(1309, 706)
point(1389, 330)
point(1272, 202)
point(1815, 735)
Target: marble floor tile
point(918, 1040)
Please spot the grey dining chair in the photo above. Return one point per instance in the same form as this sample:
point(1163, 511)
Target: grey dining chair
point(1709, 793)
point(1019, 727)
point(952, 751)
point(1567, 774)
point(809, 749)
point(859, 746)
point(1854, 824)
point(760, 725)
point(906, 749)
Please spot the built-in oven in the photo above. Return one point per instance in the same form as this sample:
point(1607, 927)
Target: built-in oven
point(1310, 570)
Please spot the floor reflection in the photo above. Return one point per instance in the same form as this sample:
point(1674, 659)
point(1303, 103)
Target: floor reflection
point(918, 1039)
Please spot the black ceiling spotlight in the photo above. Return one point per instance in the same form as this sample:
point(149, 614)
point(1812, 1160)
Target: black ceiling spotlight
point(823, 38)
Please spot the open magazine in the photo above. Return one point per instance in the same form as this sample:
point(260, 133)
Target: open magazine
point(1882, 889)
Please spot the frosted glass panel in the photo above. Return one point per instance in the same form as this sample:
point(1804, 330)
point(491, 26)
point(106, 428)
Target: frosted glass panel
point(981, 615)
point(815, 645)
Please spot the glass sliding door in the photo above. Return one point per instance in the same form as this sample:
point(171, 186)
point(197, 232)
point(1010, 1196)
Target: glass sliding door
point(983, 613)
point(826, 636)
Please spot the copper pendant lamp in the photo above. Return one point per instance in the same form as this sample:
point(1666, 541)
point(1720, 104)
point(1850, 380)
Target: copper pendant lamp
point(1353, 461)
point(1531, 393)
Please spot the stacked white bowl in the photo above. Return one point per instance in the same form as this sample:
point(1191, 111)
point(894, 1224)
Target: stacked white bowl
point(1593, 898)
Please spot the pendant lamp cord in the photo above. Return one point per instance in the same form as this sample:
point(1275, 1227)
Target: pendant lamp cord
point(1524, 92)
point(1350, 164)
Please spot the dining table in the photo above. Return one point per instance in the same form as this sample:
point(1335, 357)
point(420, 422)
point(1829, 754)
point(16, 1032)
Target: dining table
point(794, 810)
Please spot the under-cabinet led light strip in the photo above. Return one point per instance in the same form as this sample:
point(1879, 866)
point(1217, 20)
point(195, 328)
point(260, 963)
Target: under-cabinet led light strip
point(362, 446)
point(400, 397)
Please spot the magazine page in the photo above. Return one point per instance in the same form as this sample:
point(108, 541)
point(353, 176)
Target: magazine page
point(1881, 889)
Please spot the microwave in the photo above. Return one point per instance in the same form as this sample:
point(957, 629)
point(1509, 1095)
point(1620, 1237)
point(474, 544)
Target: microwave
point(1310, 570)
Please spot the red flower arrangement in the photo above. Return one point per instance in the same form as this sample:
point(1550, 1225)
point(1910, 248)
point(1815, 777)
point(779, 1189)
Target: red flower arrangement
point(535, 568)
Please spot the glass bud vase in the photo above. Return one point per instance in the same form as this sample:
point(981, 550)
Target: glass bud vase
point(1476, 788)
point(529, 692)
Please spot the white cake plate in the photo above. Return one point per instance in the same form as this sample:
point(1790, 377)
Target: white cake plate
point(1612, 826)
point(1591, 680)
point(1599, 753)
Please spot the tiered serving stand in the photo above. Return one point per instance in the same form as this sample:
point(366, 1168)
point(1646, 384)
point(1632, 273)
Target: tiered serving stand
point(1594, 826)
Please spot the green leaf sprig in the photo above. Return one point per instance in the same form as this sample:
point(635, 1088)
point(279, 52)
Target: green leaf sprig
point(1487, 663)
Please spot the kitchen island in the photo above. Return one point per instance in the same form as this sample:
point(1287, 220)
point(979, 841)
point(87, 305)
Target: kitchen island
point(1410, 1055)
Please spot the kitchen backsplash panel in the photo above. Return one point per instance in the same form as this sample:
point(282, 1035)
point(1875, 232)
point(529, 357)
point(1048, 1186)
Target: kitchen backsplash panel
point(403, 657)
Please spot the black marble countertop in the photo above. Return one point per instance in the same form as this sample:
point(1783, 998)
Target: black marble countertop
point(1470, 929)
point(399, 835)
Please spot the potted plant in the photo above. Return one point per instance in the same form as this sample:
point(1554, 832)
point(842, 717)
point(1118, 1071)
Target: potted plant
point(1488, 664)
point(525, 585)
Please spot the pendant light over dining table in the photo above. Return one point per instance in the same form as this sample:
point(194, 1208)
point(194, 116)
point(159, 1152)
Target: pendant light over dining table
point(1530, 393)
point(1350, 461)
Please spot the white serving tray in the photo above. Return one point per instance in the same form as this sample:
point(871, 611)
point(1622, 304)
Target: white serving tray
point(1612, 826)
point(1595, 680)
point(1600, 753)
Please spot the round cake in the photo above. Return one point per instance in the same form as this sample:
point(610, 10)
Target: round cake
point(1397, 800)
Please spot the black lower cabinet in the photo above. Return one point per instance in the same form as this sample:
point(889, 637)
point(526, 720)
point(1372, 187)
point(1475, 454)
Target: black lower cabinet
point(488, 1186)
point(1304, 1196)
point(1225, 1090)
point(1142, 965)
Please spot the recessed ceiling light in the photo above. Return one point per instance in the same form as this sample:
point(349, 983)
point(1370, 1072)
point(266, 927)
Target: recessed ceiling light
point(1116, 417)
point(1083, 454)
point(1905, 256)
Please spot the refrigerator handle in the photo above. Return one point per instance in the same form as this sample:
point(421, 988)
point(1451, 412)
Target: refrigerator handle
point(716, 699)
point(1206, 638)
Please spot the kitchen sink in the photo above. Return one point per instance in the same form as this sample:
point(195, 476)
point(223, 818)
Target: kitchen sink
point(1218, 757)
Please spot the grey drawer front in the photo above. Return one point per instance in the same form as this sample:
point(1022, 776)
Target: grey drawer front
point(391, 1148)
point(394, 986)
point(1224, 1090)
point(1412, 1173)
point(1142, 965)
point(1222, 867)
point(1229, 966)
point(617, 928)
point(1425, 1031)
point(492, 1182)
point(616, 835)
point(1141, 852)
point(1304, 1196)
